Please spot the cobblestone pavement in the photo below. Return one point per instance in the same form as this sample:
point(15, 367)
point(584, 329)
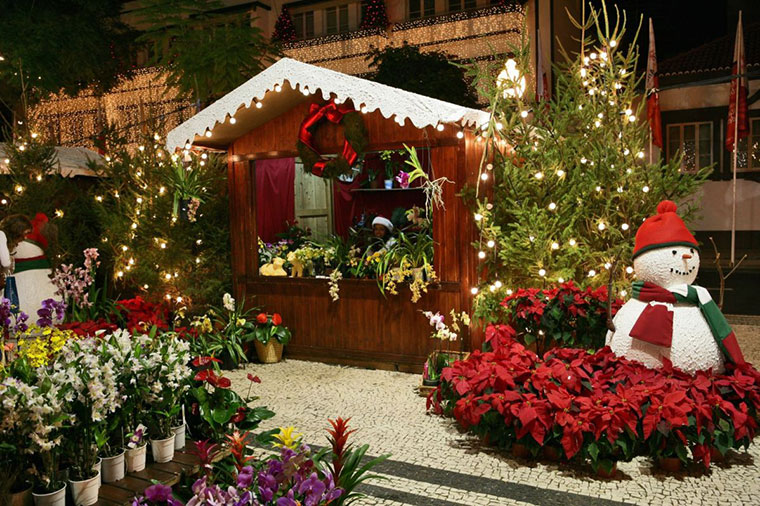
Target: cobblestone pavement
point(432, 463)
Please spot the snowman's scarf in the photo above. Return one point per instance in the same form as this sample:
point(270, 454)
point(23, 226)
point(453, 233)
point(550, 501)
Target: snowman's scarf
point(655, 324)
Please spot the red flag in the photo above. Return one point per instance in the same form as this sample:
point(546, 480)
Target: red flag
point(542, 82)
point(737, 117)
point(652, 89)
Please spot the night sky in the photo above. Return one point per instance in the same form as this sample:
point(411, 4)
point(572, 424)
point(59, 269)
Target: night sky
point(680, 25)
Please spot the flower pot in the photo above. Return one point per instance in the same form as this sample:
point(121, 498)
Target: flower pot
point(135, 458)
point(600, 472)
point(388, 184)
point(670, 464)
point(98, 468)
point(113, 468)
point(22, 497)
point(552, 453)
point(85, 492)
point(179, 436)
point(162, 449)
point(57, 498)
point(431, 383)
point(269, 353)
point(520, 451)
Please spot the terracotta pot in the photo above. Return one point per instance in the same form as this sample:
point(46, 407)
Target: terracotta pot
point(22, 497)
point(85, 492)
point(520, 451)
point(604, 474)
point(670, 464)
point(715, 455)
point(269, 353)
point(57, 498)
point(552, 453)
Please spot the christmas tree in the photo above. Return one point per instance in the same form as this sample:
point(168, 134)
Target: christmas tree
point(375, 15)
point(284, 31)
point(565, 184)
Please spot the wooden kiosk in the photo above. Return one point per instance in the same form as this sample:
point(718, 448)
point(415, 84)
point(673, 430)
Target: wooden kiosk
point(260, 120)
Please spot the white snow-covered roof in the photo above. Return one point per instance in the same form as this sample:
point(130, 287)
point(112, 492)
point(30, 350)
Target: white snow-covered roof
point(69, 161)
point(296, 79)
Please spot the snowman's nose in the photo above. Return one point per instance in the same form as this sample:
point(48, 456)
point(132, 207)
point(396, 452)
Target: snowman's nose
point(686, 256)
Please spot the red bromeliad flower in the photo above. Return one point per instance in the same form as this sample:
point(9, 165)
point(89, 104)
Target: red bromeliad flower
point(262, 318)
point(205, 451)
point(338, 438)
point(238, 447)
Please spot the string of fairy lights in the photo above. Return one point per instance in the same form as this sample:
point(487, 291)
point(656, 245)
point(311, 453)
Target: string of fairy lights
point(600, 84)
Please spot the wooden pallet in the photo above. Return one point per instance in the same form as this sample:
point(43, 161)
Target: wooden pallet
point(133, 484)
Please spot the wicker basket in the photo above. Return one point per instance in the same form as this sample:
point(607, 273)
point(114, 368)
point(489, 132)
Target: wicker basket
point(269, 353)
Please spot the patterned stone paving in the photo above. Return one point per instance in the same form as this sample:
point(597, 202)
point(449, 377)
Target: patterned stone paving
point(433, 463)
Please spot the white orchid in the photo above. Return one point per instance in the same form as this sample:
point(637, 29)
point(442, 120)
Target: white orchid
point(229, 302)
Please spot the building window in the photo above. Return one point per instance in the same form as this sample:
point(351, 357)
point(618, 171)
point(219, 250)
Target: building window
point(336, 19)
point(421, 8)
point(695, 141)
point(748, 148)
point(304, 24)
point(461, 5)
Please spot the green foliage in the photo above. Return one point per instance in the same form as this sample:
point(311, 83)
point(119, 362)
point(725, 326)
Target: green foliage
point(430, 73)
point(150, 249)
point(62, 45)
point(568, 182)
point(206, 52)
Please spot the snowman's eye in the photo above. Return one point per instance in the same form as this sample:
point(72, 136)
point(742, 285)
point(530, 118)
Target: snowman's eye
point(691, 250)
point(675, 252)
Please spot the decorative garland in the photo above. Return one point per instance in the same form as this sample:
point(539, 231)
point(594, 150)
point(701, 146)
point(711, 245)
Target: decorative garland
point(353, 146)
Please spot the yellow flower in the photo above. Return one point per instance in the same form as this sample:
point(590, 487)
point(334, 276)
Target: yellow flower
point(240, 322)
point(206, 325)
point(287, 438)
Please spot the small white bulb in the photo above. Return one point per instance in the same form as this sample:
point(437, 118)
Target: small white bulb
point(542, 272)
point(607, 265)
point(491, 243)
point(591, 273)
point(474, 290)
point(561, 280)
point(484, 176)
point(460, 134)
point(629, 269)
point(555, 245)
point(572, 242)
point(208, 133)
point(277, 88)
point(601, 226)
point(481, 254)
point(498, 284)
point(232, 120)
point(645, 189)
point(439, 127)
point(613, 43)
point(259, 105)
point(552, 206)
point(539, 175)
point(560, 173)
point(478, 216)
point(640, 154)
point(524, 114)
point(624, 226)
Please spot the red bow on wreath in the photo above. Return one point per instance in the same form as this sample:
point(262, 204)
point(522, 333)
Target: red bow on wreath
point(333, 113)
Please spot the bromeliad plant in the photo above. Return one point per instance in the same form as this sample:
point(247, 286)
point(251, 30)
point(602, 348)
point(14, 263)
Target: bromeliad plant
point(216, 409)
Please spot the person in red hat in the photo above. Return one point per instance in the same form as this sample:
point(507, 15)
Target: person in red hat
point(667, 315)
point(33, 268)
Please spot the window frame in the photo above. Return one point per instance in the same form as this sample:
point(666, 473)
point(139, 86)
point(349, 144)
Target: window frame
point(754, 129)
point(697, 126)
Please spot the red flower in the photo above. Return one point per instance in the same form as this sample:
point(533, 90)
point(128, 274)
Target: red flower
point(223, 382)
point(239, 415)
point(253, 378)
point(276, 319)
point(200, 361)
point(261, 318)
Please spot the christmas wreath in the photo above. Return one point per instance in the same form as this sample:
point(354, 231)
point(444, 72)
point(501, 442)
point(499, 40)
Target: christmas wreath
point(353, 146)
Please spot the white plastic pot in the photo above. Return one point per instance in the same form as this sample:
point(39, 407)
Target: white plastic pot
point(163, 449)
point(179, 437)
point(388, 184)
point(57, 498)
point(85, 492)
point(135, 458)
point(113, 468)
point(98, 468)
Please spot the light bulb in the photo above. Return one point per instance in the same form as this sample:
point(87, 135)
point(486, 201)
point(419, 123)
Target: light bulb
point(613, 43)
point(523, 114)
point(188, 145)
point(474, 290)
point(134, 226)
point(145, 287)
point(460, 134)
point(607, 265)
point(492, 288)
point(277, 88)
point(626, 152)
point(600, 115)
point(491, 243)
point(259, 105)
point(572, 242)
point(560, 173)
point(640, 154)
point(629, 269)
point(232, 120)
point(120, 274)
point(478, 216)
point(481, 254)
point(623, 293)
point(364, 109)
point(620, 189)
point(555, 245)
point(509, 292)
point(601, 226)
point(583, 160)
point(645, 189)
point(592, 56)
point(542, 272)
point(179, 299)
point(552, 206)
point(489, 166)
point(497, 284)
point(591, 273)
point(124, 248)
point(168, 276)
point(168, 297)
point(439, 127)
point(561, 280)
point(597, 123)
point(208, 133)
point(539, 175)
point(631, 118)
point(624, 226)
point(500, 125)
point(484, 176)
point(531, 238)
point(598, 188)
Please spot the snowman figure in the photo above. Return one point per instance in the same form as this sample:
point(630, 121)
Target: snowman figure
point(33, 268)
point(667, 316)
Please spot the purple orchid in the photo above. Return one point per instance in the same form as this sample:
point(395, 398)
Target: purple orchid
point(403, 179)
point(158, 493)
point(52, 310)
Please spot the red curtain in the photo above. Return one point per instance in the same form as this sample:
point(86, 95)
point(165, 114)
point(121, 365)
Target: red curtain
point(275, 196)
point(343, 206)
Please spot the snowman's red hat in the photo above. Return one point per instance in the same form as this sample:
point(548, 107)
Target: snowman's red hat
point(664, 229)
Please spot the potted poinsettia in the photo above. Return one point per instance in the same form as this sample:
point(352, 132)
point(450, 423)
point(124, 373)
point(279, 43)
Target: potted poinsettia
point(271, 335)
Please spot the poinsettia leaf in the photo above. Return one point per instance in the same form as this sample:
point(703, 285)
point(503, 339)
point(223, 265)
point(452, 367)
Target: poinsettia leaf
point(593, 451)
